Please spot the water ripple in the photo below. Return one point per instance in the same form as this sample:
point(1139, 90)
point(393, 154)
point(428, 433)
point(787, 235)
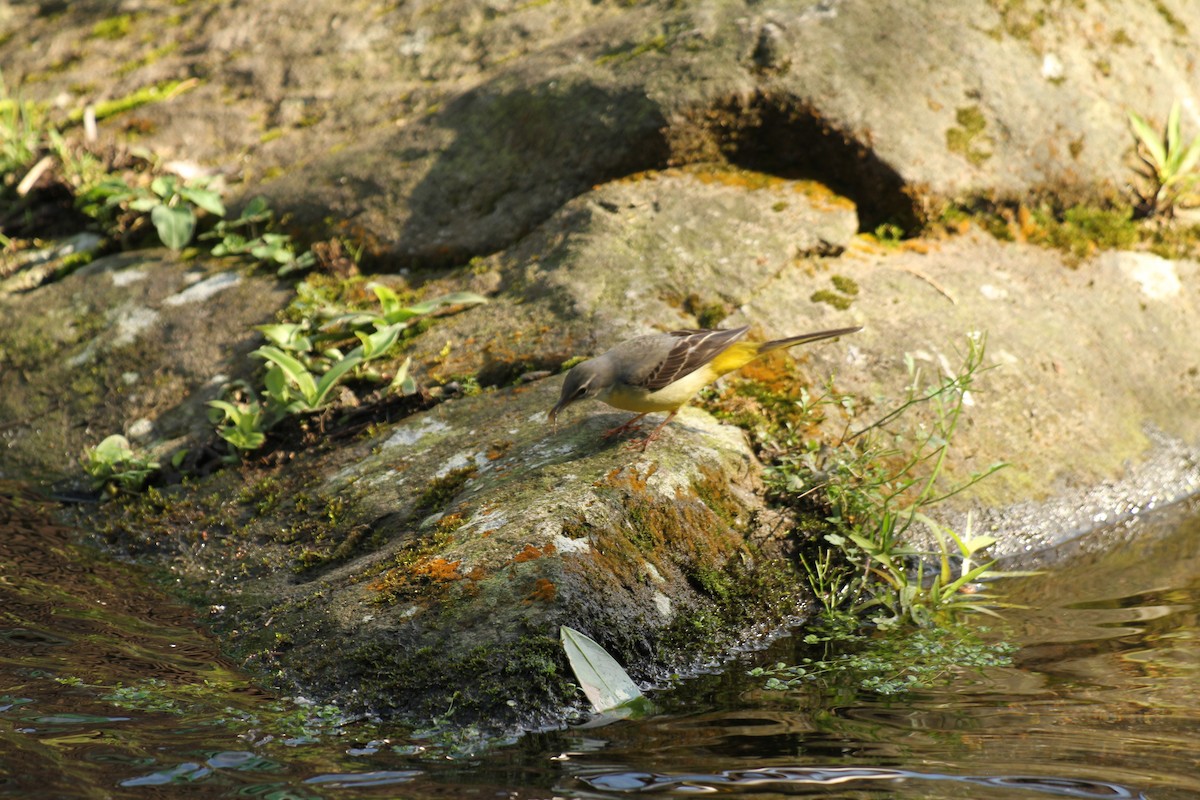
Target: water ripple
point(783, 778)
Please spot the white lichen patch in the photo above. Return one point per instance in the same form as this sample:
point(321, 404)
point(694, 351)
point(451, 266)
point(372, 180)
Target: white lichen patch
point(663, 604)
point(458, 461)
point(409, 435)
point(487, 521)
point(127, 277)
point(1154, 275)
point(565, 544)
point(132, 322)
point(204, 289)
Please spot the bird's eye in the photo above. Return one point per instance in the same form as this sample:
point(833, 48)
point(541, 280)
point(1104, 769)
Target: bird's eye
point(580, 392)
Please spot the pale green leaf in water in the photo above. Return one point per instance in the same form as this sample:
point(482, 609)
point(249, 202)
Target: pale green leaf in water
point(602, 679)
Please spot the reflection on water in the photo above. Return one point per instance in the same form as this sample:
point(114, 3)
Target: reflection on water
point(108, 689)
point(794, 780)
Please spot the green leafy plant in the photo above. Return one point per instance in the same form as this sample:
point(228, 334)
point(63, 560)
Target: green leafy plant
point(1170, 164)
point(243, 425)
point(874, 488)
point(246, 235)
point(171, 203)
point(115, 467)
point(289, 375)
point(305, 364)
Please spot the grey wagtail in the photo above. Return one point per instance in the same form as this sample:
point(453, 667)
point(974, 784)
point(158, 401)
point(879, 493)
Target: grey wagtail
point(662, 371)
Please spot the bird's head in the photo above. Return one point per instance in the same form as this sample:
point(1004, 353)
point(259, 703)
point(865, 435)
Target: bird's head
point(586, 379)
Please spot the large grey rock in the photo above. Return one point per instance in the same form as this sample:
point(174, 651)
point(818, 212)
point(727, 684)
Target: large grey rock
point(433, 132)
point(131, 343)
point(437, 553)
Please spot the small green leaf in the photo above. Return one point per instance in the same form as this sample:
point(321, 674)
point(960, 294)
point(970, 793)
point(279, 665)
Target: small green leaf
point(165, 186)
point(1149, 137)
point(378, 343)
point(276, 385)
point(175, 225)
point(113, 450)
point(388, 299)
point(427, 306)
point(1188, 159)
point(228, 410)
point(976, 544)
point(257, 210)
point(287, 336)
point(403, 382)
point(207, 199)
point(335, 373)
point(1173, 138)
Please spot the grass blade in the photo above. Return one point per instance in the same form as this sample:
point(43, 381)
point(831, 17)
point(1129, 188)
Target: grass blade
point(294, 370)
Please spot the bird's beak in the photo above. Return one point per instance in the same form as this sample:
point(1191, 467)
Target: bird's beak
point(553, 415)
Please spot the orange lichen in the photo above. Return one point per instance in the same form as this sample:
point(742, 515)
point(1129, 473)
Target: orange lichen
point(438, 569)
point(543, 591)
point(530, 553)
point(497, 450)
point(627, 478)
point(423, 574)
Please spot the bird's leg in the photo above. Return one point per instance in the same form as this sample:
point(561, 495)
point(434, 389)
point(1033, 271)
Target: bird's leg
point(642, 444)
point(628, 425)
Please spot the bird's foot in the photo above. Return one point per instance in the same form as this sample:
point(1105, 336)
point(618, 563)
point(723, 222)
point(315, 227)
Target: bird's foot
point(644, 442)
point(629, 425)
point(640, 443)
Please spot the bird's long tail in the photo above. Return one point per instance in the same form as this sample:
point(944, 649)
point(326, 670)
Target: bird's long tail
point(739, 354)
point(805, 338)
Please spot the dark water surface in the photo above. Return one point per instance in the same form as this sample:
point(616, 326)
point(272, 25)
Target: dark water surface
point(109, 689)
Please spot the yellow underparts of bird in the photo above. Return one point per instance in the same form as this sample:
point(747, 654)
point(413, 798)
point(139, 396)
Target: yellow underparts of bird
point(663, 371)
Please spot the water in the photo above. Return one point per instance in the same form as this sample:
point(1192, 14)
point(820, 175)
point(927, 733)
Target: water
point(109, 690)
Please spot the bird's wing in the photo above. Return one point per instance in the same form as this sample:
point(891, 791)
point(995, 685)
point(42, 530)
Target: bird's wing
point(690, 351)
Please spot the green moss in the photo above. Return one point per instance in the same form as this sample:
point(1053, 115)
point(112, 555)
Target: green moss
point(844, 285)
point(755, 591)
point(712, 489)
point(838, 301)
point(709, 312)
point(145, 96)
point(264, 494)
point(147, 59)
point(1017, 19)
point(488, 682)
point(968, 138)
point(1174, 22)
point(1080, 230)
point(631, 51)
point(419, 571)
point(113, 28)
point(441, 491)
